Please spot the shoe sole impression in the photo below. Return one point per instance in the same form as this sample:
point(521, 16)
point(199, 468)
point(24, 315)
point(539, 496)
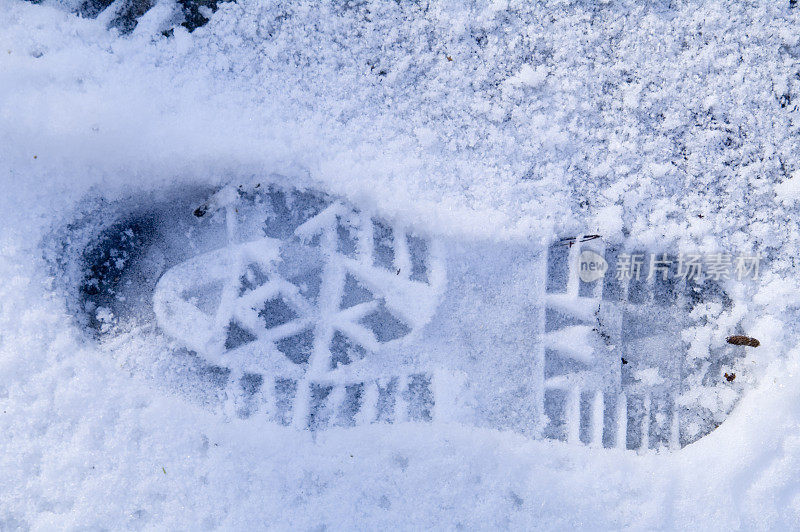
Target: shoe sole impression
point(285, 304)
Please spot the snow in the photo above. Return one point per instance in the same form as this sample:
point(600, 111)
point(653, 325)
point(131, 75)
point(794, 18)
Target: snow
point(675, 122)
point(529, 76)
point(789, 191)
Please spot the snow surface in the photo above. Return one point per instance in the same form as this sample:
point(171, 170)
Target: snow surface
point(674, 121)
